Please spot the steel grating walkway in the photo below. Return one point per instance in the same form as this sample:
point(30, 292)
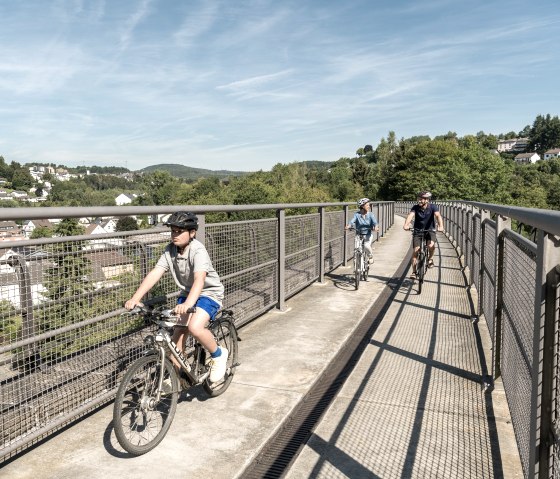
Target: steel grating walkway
point(415, 404)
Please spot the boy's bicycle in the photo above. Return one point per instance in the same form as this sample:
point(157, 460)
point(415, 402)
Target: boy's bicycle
point(422, 259)
point(361, 263)
point(142, 412)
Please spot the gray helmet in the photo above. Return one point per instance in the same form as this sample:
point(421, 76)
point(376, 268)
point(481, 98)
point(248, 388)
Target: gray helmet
point(425, 194)
point(183, 219)
point(362, 202)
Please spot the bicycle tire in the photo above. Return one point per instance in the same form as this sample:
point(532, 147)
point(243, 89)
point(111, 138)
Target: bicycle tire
point(420, 270)
point(140, 423)
point(357, 269)
point(225, 333)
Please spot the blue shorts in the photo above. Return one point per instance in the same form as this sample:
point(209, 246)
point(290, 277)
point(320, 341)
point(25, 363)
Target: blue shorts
point(205, 303)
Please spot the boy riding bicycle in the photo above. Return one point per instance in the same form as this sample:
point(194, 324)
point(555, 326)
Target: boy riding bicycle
point(364, 222)
point(190, 265)
point(424, 215)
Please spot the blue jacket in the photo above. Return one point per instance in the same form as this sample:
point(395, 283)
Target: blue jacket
point(363, 225)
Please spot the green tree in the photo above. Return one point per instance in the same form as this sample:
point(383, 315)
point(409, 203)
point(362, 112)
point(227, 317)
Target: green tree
point(158, 188)
point(67, 285)
point(545, 134)
point(126, 223)
point(42, 232)
point(22, 179)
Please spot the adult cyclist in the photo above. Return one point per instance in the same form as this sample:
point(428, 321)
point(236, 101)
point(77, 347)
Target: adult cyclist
point(190, 265)
point(425, 215)
point(365, 223)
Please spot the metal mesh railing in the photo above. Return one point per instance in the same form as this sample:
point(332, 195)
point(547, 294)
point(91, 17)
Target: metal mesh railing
point(477, 249)
point(517, 280)
point(246, 258)
point(488, 301)
point(519, 271)
point(63, 342)
point(555, 417)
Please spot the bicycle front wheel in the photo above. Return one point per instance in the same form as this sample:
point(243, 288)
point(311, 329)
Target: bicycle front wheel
point(226, 336)
point(140, 421)
point(357, 269)
point(420, 270)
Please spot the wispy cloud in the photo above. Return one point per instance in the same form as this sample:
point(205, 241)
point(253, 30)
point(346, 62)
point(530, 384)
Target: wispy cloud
point(196, 23)
point(215, 83)
point(132, 22)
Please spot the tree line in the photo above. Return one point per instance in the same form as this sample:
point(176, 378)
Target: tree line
point(450, 166)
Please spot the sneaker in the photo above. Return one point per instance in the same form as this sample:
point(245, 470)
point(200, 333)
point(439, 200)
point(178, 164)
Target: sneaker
point(370, 260)
point(166, 387)
point(218, 366)
point(413, 275)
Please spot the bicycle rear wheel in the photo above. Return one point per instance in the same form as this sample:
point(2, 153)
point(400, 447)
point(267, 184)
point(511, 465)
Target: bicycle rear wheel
point(141, 422)
point(226, 336)
point(357, 268)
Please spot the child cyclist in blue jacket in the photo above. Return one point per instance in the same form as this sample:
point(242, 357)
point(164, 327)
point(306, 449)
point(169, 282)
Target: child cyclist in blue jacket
point(365, 223)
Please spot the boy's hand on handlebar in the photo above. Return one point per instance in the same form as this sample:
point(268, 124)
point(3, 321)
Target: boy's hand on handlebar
point(406, 227)
point(132, 303)
point(182, 309)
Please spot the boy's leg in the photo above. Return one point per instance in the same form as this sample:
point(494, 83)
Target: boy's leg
point(197, 327)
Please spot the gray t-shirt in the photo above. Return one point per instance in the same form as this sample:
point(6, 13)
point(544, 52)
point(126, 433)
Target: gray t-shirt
point(183, 267)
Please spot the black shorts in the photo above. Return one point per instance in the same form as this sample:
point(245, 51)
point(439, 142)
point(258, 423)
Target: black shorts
point(429, 235)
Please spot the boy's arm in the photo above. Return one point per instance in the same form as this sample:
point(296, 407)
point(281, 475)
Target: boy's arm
point(148, 283)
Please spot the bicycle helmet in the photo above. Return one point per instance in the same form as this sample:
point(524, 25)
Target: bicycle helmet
point(362, 202)
point(183, 219)
point(424, 194)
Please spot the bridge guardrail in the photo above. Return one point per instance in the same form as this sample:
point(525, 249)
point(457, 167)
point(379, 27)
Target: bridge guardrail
point(63, 343)
point(512, 258)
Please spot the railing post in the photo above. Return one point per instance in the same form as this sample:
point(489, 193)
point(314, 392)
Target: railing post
point(201, 233)
point(281, 215)
point(470, 238)
point(380, 215)
point(31, 359)
point(321, 244)
point(546, 287)
point(345, 237)
point(502, 223)
point(484, 216)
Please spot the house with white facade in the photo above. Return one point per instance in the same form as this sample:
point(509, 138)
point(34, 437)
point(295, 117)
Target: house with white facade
point(527, 157)
point(514, 144)
point(109, 225)
point(30, 225)
point(554, 153)
point(124, 199)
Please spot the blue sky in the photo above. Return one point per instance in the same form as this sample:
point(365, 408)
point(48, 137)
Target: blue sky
point(243, 85)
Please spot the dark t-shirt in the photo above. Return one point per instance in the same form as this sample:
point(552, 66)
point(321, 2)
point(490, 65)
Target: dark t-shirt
point(425, 219)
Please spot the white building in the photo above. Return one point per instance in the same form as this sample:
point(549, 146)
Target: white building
point(30, 225)
point(124, 199)
point(555, 152)
point(527, 157)
point(514, 144)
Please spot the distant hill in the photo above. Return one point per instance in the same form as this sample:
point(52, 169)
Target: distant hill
point(182, 171)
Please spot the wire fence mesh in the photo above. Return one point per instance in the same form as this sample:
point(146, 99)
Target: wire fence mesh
point(64, 344)
point(518, 291)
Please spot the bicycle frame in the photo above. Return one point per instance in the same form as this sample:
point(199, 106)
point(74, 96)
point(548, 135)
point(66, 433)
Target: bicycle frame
point(162, 342)
point(422, 257)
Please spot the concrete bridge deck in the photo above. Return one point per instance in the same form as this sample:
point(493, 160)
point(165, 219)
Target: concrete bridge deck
point(413, 406)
